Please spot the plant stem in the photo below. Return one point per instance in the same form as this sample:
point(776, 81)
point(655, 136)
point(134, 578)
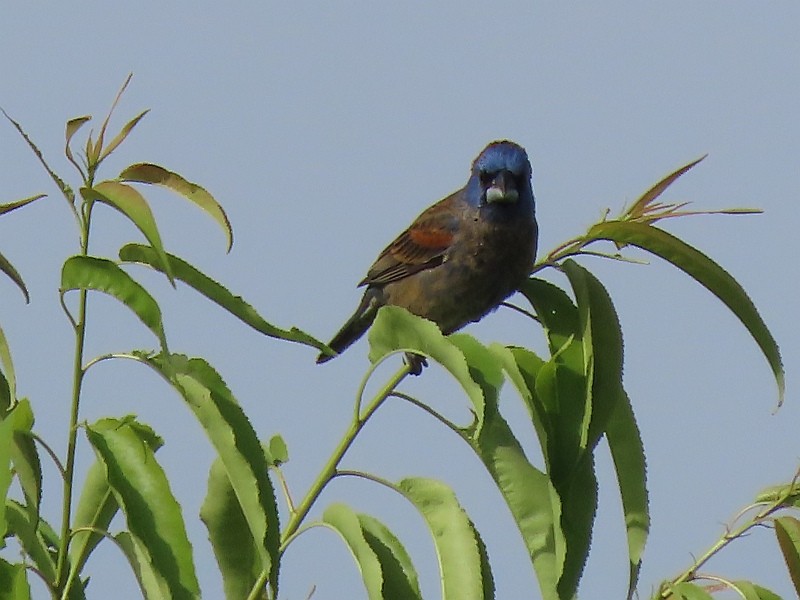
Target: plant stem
point(72, 436)
point(329, 470)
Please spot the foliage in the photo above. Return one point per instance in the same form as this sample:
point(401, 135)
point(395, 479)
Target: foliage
point(573, 395)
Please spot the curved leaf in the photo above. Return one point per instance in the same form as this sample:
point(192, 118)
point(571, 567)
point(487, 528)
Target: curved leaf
point(102, 275)
point(29, 533)
point(400, 578)
point(529, 493)
point(688, 591)
point(7, 268)
point(96, 508)
point(143, 493)
point(132, 204)
point(120, 137)
point(397, 329)
point(73, 125)
point(7, 208)
point(640, 206)
point(787, 530)
point(344, 521)
point(704, 270)
point(13, 582)
point(25, 457)
point(152, 583)
point(238, 447)
point(7, 370)
point(465, 572)
point(627, 451)
point(154, 174)
point(234, 546)
point(751, 591)
point(218, 294)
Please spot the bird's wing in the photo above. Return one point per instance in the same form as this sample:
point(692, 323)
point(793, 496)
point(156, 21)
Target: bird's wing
point(422, 246)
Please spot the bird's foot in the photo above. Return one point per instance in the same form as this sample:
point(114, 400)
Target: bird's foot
point(416, 361)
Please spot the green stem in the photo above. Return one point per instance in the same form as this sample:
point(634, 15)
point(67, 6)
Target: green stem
point(72, 439)
point(329, 470)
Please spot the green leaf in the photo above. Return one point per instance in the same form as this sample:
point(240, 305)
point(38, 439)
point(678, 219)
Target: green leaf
point(689, 591)
point(144, 495)
point(400, 578)
point(7, 370)
point(602, 348)
point(7, 268)
point(234, 546)
point(13, 582)
point(278, 450)
point(6, 441)
point(395, 329)
point(465, 572)
point(154, 174)
point(751, 591)
point(102, 275)
point(7, 208)
point(93, 153)
point(787, 530)
point(152, 583)
point(627, 451)
point(640, 206)
point(132, 204)
point(528, 492)
point(384, 564)
point(237, 444)
point(704, 270)
point(63, 187)
point(31, 535)
point(218, 294)
point(24, 455)
point(120, 137)
point(344, 521)
point(73, 125)
point(96, 508)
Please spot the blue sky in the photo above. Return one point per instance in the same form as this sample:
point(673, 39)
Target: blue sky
point(324, 130)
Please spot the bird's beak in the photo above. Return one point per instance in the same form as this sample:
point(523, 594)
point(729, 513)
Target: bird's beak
point(502, 189)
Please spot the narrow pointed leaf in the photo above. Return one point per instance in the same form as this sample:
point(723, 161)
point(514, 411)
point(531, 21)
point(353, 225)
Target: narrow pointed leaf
point(94, 153)
point(602, 347)
point(25, 457)
point(7, 208)
point(397, 329)
point(704, 270)
point(102, 275)
point(400, 578)
point(654, 192)
point(6, 440)
point(7, 268)
point(73, 125)
point(13, 582)
point(142, 490)
point(751, 591)
point(465, 572)
point(528, 492)
point(154, 174)
point(96, 508)
point(237, 445)
point(63, 187)
point(7, 368)
point(787, 530)
point(344, 521)
point(627, 452)
point(151, 583)
point(120, 137)
point(234, 545)
point(132, 204)
point(29, 533)
point(689, 591)
point(218, 294)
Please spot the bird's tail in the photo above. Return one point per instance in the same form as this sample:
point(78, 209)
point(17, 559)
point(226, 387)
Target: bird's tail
point(355, 326)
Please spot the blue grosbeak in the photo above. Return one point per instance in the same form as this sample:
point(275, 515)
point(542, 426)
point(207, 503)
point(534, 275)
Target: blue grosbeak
point(461, 257)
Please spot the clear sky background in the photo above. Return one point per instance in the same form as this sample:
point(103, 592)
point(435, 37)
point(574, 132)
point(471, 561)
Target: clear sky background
point(324, 130)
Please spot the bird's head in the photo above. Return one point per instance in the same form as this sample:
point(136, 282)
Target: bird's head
point(501, 175)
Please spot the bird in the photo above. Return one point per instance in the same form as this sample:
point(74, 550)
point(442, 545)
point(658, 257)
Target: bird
point(461, 257)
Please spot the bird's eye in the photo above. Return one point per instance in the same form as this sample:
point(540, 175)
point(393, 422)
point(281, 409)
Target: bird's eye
point(486, 178)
